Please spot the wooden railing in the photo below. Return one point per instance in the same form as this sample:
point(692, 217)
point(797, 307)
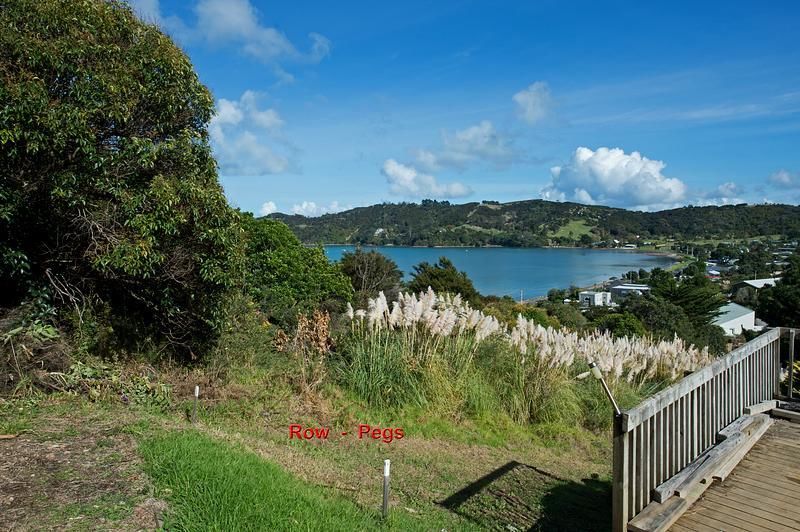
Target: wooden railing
point(657, 439)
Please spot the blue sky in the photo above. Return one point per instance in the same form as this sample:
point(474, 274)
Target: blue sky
point(323, 106)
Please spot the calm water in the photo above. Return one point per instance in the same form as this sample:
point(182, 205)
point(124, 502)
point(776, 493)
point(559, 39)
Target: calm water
point(506, 271)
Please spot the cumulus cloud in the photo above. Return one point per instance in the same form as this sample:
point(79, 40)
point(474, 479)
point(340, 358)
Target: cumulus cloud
point(407, 181)
point(609, 176)
point(534, 103)
point(310, 208)
point(236, 22)
point(268, 208)
point(481, 142)
point(244, 137)
point(728, 193)
point(785, 179)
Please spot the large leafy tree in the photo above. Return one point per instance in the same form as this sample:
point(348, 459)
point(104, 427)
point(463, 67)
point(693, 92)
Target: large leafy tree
point(779, 305)
point(109, 191)
point(285, 277)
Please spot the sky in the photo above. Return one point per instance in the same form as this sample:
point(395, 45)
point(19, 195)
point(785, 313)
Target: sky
point(325, 106)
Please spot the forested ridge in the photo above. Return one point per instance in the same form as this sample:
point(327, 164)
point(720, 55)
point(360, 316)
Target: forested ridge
point(535, 223)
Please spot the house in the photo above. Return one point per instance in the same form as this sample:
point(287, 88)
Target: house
point(622, 291)
point(747, 291)
point(735, 319)
point(590, 298)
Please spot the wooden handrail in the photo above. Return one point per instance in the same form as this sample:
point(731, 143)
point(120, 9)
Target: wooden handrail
point(657, 439)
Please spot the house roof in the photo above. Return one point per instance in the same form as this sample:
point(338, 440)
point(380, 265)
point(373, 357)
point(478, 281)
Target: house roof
point(730, 312)
point(761, 283)
point(631, 286)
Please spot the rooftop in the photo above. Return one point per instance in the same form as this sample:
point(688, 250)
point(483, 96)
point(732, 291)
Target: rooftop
point(731, 311)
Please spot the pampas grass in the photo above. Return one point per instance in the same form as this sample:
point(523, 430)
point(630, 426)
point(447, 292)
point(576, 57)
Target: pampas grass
point(421, 350)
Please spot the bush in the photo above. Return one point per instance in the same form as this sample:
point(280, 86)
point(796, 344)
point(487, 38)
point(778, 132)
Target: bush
point(109, 188)
point(443, 278)
point(370, 273)
point(285, 278)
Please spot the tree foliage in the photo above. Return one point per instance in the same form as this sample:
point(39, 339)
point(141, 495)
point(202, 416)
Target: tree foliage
point(286, 278)
point(535, 223)
point(109, 188)
point(443, 277)
point(371, 272)
point(779, 305)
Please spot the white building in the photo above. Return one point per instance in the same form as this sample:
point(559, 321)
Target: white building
point(622, 291)
point(736, 318)
point(591, 298)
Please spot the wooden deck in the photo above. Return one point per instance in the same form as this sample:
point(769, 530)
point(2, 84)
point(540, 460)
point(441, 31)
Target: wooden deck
point(762, 492)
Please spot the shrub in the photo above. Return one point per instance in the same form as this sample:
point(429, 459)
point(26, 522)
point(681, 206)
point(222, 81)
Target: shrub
point(109, 188)
point(443, 277)
point(286, 278)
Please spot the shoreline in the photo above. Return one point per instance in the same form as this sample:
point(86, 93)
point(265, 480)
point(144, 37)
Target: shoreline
point(654, 252)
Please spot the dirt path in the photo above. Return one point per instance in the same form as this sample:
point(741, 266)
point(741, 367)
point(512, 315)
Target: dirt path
point(75, 472)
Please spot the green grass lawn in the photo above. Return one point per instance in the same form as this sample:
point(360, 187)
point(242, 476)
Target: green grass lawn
point(213, 485)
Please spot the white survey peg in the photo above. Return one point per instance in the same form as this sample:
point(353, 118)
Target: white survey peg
point(197, 391)
point(387, 464)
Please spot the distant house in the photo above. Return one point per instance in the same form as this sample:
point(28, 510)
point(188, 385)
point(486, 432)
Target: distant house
point(590, 298)
point(747, 291)
point(622, 291)
point(735, 319)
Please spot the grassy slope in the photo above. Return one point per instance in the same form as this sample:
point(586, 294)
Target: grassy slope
point(238, 470)
point(573, 229)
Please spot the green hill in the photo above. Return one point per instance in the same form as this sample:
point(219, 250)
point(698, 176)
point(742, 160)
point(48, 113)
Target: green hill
point(535, 223)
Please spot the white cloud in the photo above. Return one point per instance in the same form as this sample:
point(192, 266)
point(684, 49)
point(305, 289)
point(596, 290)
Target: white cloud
point(534, 103)
point(785, 179)
point(310, 208)
point(481, 142)
point(612, 177)
point(243, 137)
point(407, 181)
point(236, 22)
point(728, 193)
point(268, 208)
point(248, 155)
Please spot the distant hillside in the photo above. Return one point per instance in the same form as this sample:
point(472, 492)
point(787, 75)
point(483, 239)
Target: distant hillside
point(535, 223)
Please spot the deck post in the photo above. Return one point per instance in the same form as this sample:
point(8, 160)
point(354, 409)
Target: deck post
point(620, 511)
point(790, 391)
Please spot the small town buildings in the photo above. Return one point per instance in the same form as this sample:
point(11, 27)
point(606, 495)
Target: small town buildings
point(622, 291)
point(590, 298)
point(735, 319)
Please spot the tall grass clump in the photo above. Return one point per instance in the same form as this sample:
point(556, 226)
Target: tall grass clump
point(435, 349)
point(418, 352)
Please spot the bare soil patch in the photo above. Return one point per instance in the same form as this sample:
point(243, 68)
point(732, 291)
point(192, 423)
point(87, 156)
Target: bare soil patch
point(75, 472)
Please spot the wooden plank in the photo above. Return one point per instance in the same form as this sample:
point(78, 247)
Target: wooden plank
point(751, 436)
point(737, 518)
point(755, 495)
point(761, 485)
point(658, 517)
point(765, 482)
point(782, 515)
point(786, 414)
point(790, 391)
point(698, 470)
point(634, 417)
point(678, 528)
point(762, 407)
point(714, 521)
point(619, 503)
point(750, 514)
